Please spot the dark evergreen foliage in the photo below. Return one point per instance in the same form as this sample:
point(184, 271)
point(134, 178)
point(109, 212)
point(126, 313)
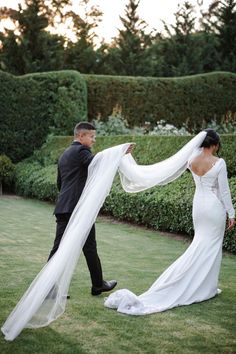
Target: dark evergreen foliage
point(35, 105)
point(30, 48)
point(184, 48)
point(189, 100)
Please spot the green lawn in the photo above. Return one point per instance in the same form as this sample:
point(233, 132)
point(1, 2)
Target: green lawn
point(132, 255)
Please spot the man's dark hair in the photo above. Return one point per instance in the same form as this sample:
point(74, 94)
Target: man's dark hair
point(83, 126)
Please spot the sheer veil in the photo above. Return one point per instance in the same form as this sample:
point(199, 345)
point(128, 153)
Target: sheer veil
point(135, 178)
point(45, 299)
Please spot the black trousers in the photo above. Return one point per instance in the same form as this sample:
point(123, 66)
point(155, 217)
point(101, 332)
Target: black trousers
point(89, 249)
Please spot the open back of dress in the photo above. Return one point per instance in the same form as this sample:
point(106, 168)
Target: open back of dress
point(193, 277)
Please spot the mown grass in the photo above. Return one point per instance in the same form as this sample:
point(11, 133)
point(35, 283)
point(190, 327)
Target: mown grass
point(135, 257)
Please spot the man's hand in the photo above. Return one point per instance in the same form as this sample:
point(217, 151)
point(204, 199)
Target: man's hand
point(130, 148)
point(231, 223)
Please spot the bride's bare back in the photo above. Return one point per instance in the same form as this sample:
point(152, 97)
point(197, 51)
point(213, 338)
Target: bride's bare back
point(201, 164)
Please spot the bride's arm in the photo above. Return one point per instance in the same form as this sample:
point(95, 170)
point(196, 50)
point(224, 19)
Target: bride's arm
point(225, 191)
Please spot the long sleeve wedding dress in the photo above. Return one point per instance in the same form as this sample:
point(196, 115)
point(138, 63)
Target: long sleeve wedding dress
point(45, 299)
point(193, 277)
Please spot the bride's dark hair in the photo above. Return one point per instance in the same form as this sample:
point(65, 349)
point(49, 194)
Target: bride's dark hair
point(212, 138)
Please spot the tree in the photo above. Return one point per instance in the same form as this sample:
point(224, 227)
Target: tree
point(29, 47)
point(108, 60)
point(209, 54)
point(81, 55)
point(181, 51)
point(221, 21)
point(133, 42)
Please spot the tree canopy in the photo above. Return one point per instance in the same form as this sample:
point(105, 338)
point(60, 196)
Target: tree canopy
point(186, 47)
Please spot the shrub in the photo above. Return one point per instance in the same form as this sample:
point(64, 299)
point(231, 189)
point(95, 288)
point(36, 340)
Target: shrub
point(6, 171)
point(166, 208)
point(34, 104)
point(118, 125)
point(148, 149)
point(33, 180)
point(162, 128)
point(6, 168)
point(115, 125)
point(227, 124)
point(189, 99)
point(151, 149)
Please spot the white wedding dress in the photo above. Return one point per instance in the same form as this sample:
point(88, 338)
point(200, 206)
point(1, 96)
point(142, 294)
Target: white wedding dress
point(45, 299)
point(193, 277)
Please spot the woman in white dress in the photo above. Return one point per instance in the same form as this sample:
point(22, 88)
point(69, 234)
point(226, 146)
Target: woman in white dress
point(39, 306)
point(193, 277)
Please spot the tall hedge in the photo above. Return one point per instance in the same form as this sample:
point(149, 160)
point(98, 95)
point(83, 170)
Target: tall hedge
point(190, 99)
point(36, 104)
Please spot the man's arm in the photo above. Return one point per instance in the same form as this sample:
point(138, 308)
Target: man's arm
point(86, 156)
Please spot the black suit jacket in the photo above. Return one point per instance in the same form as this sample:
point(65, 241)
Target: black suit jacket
point(71, 178)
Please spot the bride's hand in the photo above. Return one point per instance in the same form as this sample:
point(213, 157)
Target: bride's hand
point(130, 148)
point(231, 223)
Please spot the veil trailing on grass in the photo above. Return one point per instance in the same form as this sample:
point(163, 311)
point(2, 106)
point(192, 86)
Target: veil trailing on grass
point(45, 299)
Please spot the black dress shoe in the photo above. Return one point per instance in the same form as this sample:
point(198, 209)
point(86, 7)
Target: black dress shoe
point(106, 286)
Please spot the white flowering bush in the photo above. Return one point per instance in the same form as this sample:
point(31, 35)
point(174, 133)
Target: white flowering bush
point(227, 125)
point(118, 125)
point(115, 125)
point(163, 128)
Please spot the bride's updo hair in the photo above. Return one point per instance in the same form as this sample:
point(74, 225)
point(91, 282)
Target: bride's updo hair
point(211, 139)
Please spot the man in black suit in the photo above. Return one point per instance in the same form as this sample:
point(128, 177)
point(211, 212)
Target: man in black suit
point(72, 174)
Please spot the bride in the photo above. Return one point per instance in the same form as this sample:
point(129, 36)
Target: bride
point(193, 277)
point(184, 282)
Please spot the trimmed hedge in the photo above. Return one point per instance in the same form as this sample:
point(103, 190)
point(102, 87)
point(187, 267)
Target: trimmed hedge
point(34, 105)
point(151, 149)
point(166, 208)
point(190, 99)
point(148, 149)
point(33, 180)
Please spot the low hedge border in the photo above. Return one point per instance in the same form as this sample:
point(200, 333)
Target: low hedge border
point(149, 148)
point(166, 208)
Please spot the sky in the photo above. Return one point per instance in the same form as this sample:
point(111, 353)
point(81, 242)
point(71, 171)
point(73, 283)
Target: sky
point(152, 11)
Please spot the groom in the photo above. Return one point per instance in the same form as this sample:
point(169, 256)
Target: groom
point(71, 178)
